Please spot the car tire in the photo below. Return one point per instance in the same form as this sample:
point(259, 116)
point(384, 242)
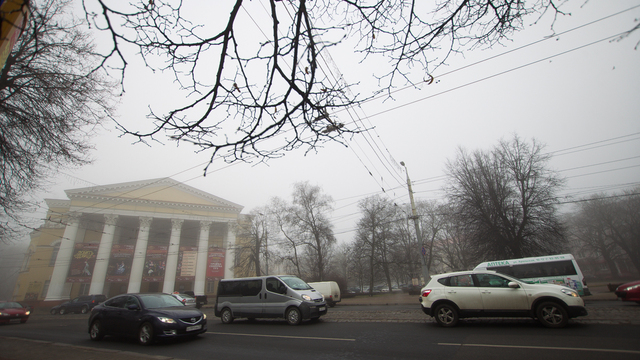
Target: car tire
point(95, 331)
point(85, 309)
point(54, 311)
point(331, 304)
point(62, 311)
point(293, 316)
point(446, 315)
point(552, 315)
point(145, 334)
point(226, 316)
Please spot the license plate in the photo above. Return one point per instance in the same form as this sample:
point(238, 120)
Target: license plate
point(14, 320)
point(194, 327)
point(322, 308)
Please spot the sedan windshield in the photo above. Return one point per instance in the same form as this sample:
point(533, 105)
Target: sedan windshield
point(295, 283)
point(154, 301)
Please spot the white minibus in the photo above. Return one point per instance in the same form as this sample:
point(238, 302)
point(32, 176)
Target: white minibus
point(553, 269)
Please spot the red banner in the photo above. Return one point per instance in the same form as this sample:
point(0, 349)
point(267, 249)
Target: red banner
point(215, 264)
point(155, 264)
point(82, 262)
point(120, 263)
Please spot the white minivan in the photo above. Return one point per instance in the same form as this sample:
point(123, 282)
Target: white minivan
point(275, 296)
point(329, 289)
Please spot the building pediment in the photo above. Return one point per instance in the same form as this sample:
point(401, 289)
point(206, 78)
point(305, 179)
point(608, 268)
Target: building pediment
point(152, 194)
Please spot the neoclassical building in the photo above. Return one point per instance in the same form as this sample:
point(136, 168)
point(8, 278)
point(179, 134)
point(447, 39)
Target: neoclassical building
point(155, 235)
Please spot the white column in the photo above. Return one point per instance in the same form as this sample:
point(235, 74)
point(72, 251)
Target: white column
point(201, 261)
point(104, 253)
point(230, 256)
point(58, 290)
point(172, 256)
point(139, 254)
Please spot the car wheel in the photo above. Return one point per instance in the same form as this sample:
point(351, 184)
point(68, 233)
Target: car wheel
point(293, 316)
point(62, 311)
point(95, 331)
point(145, 334)
point(54, 311)
point(85, 309)
point(226, 317)
point(331, 304)
point(552, 315)
point(446, 315)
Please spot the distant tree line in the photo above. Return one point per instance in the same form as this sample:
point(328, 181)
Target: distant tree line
point(500, 204)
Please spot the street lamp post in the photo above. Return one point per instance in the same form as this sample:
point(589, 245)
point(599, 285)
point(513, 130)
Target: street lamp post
point(416, 223)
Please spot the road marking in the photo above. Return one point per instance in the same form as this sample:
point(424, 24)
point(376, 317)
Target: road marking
point(544, 348)
point(280, 336)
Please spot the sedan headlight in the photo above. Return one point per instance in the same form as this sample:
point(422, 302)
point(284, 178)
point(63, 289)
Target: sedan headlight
point(306, 297)
point(633, 287)
point(570, 292)
point(166, 320)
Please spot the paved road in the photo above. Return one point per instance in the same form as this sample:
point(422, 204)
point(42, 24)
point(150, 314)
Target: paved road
point(610, 325)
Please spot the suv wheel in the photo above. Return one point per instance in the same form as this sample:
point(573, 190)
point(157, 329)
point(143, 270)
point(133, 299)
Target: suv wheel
point(446, 315)
point(85, 309)
point(552, 315)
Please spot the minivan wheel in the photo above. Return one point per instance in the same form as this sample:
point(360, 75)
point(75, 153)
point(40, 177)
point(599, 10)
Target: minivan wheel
point(293, 316)
point(85, 309)
point(552, 315)
point(95, 332)
point(446, 315)
point(225, 316)
point(145, 334)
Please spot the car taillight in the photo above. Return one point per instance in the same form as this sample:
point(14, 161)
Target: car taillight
point(426, 293)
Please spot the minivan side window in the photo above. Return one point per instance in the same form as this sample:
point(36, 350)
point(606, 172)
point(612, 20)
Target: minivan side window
point(251, 287)
point(240, 288)
point(274, 285)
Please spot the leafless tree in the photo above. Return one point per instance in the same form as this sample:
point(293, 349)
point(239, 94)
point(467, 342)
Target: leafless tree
point(623, 222)
point(589, 231)
point(275, 83)
point(255, 234)
point(375, 237)
point(51, 98)
point(506, 200)
point(309, 215)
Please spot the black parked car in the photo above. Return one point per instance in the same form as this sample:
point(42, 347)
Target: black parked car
point(146, 317)
point(82, 304)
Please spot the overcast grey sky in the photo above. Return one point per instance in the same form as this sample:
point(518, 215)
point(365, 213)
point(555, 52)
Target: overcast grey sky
point(577, 93)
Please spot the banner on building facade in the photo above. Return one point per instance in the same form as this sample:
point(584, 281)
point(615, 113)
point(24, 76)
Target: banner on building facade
point(33, 290)
point(120, 263)
point(82, 262)
point(215, 264)
point(155, 263)
point(187, 258)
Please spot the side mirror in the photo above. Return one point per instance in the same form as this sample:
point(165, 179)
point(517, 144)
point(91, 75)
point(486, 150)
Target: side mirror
point(133, 307)
point(513, 285)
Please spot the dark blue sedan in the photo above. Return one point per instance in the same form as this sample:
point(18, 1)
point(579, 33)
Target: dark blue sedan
point(146, 317)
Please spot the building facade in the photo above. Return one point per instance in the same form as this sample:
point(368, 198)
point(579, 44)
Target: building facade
point(147, 236)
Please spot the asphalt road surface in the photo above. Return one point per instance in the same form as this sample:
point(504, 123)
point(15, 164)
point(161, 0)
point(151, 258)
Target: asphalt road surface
point(472, 339)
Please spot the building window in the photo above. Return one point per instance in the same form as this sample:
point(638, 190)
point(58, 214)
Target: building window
point(54, 254)
point(45, 288)
point(211, 287)
point(84, 289)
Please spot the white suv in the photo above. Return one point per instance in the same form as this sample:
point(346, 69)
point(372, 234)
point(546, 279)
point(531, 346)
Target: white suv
point(449, 297)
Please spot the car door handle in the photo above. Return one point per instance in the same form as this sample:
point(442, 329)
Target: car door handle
point(486, 292)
